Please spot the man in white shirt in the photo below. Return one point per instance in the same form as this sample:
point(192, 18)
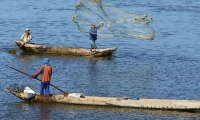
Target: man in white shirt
point(26, 37)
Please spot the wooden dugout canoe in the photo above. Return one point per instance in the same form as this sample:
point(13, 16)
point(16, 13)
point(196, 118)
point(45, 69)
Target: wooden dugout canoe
point(80, 99)
point(41, 49)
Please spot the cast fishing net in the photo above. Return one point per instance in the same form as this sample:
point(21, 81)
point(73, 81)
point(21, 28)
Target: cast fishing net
point(117, 22)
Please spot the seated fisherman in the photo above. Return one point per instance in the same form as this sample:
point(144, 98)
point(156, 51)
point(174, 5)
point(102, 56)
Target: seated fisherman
point(26, 37)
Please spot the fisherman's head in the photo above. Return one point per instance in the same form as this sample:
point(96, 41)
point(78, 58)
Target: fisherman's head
point(93, 26)
point(46, 61)
point(27, 30)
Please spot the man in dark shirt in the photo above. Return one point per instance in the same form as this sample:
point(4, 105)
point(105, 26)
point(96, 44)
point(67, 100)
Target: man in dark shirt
point(93, 35)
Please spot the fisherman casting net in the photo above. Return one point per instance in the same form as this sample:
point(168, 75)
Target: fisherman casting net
point(117, 23)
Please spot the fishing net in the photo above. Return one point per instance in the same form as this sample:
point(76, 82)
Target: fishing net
point(16, 87)
point(115, 22)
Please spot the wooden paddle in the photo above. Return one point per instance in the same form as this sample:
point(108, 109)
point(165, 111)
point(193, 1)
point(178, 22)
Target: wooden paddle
point(14, 50)
point(65, 94)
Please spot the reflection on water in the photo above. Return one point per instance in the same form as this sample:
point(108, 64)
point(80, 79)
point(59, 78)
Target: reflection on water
point(44, 113)
point(64, 111)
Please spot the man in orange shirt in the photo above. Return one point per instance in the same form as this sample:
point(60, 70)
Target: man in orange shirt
point(46, 72)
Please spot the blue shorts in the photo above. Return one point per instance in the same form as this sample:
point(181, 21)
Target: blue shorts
point(93, 44)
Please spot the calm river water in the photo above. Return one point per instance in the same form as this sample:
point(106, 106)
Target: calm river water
point(167, 67)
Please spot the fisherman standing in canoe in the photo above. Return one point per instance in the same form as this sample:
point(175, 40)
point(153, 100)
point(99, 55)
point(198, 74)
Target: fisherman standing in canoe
point(26, 37)
point(46, 72)
point(93, 35)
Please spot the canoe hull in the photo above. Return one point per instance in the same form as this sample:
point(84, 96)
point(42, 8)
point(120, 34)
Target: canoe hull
point(41, 49)
point(117, 102)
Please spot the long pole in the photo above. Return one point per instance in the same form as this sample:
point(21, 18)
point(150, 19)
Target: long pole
point(37, 79)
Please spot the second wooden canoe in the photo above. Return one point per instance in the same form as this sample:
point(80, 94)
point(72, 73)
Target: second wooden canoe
point(42, 49)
